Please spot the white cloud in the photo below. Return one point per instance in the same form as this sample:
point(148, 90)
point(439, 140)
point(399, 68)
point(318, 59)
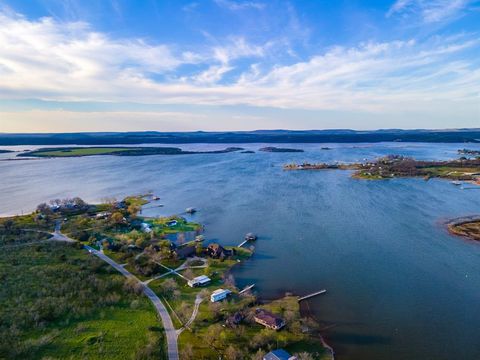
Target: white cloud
point(60, 61)
point(240, 5)
point(431, 11)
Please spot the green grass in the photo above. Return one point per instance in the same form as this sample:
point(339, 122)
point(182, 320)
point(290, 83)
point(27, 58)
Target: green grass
point(72, 152)
point(56, 301)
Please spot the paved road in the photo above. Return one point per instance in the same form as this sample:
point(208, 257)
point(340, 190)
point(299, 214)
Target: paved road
point(162, 311)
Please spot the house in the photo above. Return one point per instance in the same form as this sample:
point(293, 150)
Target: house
point(199, 281)
point(268, 320)
point(216, 251)
point(102, 215)
point(279, 354)
point(185, 252)
point(146, 228)
point(219, 295)
point(172, 223)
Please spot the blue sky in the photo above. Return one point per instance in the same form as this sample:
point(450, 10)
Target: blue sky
point(118, 65)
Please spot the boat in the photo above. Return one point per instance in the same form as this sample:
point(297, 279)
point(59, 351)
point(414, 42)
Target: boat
point(251, 237)
point(191, 210)
point(456, 183)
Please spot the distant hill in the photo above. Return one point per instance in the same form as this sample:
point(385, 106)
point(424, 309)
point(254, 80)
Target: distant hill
point(258, 136)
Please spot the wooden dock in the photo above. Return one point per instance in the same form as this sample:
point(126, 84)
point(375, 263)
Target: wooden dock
point(246, 289)
point(312, 295)
point(243, 243)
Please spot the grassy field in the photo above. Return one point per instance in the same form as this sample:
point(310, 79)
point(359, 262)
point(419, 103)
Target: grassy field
point(57, 302)
point(69, 152)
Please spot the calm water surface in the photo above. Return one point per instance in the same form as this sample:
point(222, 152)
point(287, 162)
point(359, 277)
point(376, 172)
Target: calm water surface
point(399, 286)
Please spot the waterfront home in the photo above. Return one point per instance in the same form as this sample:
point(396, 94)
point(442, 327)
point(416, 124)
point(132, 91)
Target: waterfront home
point(219, 295)
point(279, 354)
point(199, 281)
point(172, 223)
point(269, 320)
point(102, 215)
point(216, 250)
point(146, 228)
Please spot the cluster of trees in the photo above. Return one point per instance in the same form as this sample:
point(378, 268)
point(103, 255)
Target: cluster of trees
point(49, 284)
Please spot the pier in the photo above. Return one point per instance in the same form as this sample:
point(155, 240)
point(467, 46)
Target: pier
point(246, 289)
point(312, 295)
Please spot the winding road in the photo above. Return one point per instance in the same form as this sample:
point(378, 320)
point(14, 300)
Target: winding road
point(170, 331)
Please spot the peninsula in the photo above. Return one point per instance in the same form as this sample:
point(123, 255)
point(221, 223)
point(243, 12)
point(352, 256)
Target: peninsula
point(117, 151)
point(467, 227)
point(393, 166)
point(204, 314)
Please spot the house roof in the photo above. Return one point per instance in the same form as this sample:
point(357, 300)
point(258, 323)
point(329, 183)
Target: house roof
point(201, 278)
point(221, 291)
point(269, 318)
point(278, 354)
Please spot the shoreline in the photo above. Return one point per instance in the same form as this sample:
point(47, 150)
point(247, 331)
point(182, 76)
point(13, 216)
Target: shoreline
point(469, 234)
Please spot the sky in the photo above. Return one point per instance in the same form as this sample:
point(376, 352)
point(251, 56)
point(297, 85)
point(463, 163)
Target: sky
point(173, 65)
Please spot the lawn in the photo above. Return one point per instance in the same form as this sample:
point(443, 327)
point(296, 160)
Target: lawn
point(72, 152)
point(58, 302)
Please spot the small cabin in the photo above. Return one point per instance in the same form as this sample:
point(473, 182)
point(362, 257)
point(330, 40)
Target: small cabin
point(219, 295)
point(199, 281)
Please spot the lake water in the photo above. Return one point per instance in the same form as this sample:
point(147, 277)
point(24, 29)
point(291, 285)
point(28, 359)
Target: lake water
point(399, 286)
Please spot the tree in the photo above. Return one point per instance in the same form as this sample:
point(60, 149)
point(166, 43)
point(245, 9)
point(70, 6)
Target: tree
point(168, 287)
point(259, 355)
point(233, 354)
point(189, 274)
point(187, 352)
point(304, 356)
point(117, 218)
point(213, 335)
point(133, 210)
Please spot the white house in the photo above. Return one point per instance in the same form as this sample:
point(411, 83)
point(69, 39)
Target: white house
point(199, 281)
point(146, 228)
point(219, 295)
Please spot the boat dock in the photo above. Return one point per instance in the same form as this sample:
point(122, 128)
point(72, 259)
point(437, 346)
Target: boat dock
point(246, 289)
point(312, 295)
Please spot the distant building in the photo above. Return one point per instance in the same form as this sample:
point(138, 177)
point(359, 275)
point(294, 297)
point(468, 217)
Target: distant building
point(216, 251)
point(199, 281)
point(219, 295)
point(269, 320)
point(172, 223)
point(279, 354)
point(146, 228)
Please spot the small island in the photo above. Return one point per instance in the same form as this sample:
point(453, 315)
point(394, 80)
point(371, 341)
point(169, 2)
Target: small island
point(280, 150)
point(466, 227)
point(469, 152)
point(80, 251)
point(400, 166)
point(117, 151)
